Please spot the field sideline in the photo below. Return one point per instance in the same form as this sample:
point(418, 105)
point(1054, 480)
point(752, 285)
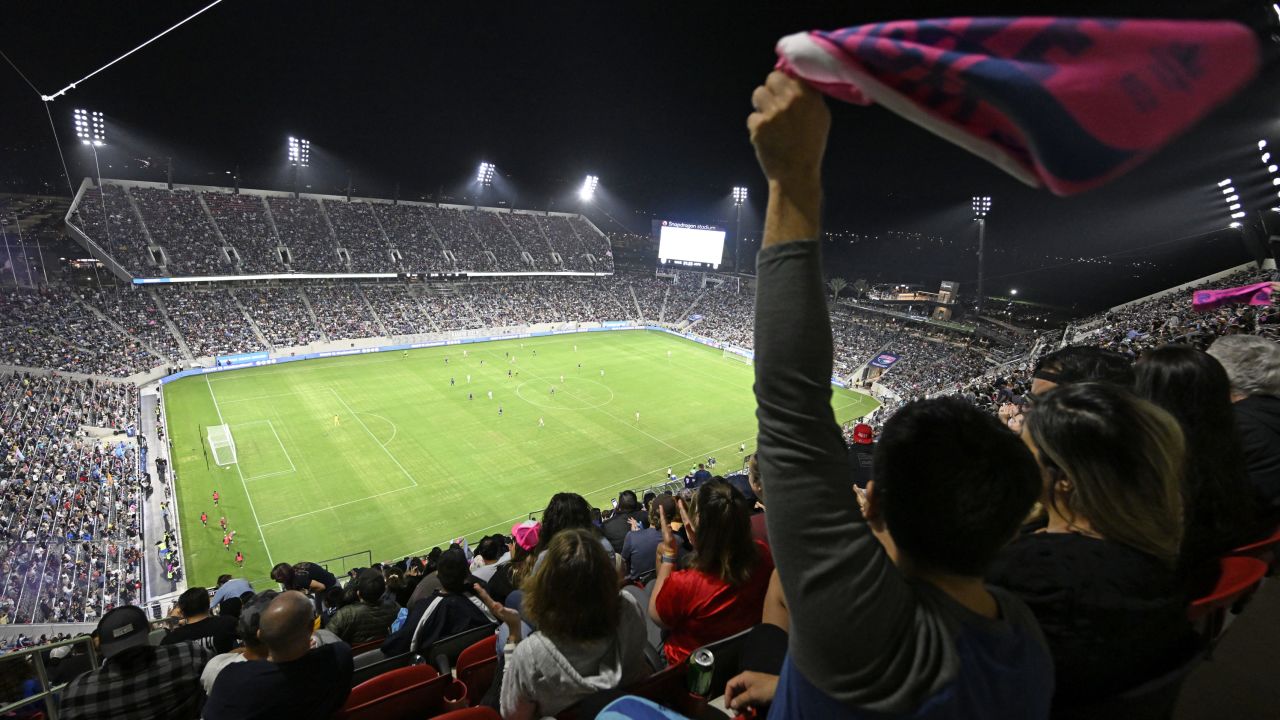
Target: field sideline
point(380, 452)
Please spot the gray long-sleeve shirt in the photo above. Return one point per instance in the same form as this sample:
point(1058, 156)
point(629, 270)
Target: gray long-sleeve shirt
point(864, 638)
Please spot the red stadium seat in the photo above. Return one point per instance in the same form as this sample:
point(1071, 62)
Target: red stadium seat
point(1264, 550)
point(1237, 578)
point(477, 666)
point(666, 687)
point(409, 693)
point(366, 646)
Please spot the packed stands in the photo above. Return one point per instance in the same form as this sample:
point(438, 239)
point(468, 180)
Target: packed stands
point(120, 231)
point(303, 230)
point(69, 504)
point(211, 322)
point(179, 225)
point(53, 328)
point(136, 311)
point(341, 312)
point(398, 309)
point(280, 314)
point(355, 228)
point(243, 222)
point(411, 234)
point(458, 236)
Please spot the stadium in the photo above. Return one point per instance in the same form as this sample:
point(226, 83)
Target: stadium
point(565, 422)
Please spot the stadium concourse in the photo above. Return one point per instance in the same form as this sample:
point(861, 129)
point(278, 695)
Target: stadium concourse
point(84, 505)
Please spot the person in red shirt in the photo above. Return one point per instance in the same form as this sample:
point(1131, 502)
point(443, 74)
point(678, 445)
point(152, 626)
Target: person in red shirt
point(723, 590)
point(226, 542)
point(239, 558)
point(215, 497)
point(223, 523)
point(204, 519)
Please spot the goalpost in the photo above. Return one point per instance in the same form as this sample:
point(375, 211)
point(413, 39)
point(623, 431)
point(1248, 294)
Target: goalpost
point(728, 355)
point(222, 445)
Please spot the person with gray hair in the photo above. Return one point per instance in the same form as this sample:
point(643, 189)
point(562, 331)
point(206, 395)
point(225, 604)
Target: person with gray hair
point(294, 680)
point(1253, 367)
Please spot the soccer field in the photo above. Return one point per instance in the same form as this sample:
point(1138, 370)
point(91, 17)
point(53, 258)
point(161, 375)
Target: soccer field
point(386, 453)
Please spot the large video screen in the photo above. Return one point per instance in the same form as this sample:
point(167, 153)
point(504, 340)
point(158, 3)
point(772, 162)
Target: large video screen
point(693, 244)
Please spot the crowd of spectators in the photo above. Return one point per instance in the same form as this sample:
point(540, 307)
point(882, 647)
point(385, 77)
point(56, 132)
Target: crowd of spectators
point(243, 222)
point(529, 230)
point(280, 314)
point(52, 328)
point(69, 503)
point(210, 321)
point(498, 239)
point(303, 230)
point(458, 236)
point(398, 309)
point(178, 224)
point(355, 228)
point(341, 312)
point(119, 231)
point(410, 233)
point(135, 310)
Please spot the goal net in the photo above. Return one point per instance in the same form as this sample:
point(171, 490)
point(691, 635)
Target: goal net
point(730, 355)
point(222, 445)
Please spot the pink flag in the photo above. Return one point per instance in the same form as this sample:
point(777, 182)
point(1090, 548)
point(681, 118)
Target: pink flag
point(1255, 294)
point(1066, 103)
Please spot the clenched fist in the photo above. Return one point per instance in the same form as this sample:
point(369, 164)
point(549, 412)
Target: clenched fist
point(789, 131)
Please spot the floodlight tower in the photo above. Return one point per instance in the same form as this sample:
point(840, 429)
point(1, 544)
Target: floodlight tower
point(739, 199)
point(981, 207)
point(299, 157)
point(91, 130)
point(588, 189)
point(1232, 199)
point(1272, 175)
point(484, 176)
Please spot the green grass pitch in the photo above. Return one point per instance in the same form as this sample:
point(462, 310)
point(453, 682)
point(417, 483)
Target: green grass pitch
point(380, 452)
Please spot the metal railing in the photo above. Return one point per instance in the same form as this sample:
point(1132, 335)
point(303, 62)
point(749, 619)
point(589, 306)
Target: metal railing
point(37, 660)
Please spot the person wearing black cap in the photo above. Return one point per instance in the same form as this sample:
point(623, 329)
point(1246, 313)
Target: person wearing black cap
point(137, 681)
point(215, 632)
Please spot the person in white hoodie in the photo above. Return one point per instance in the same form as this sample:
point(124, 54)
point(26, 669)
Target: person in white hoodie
point(590, 636)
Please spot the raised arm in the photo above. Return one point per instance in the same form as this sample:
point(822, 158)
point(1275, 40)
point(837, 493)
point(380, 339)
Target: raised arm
point(849, 605)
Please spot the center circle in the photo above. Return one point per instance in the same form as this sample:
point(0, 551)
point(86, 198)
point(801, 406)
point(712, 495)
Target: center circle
point(574, 394)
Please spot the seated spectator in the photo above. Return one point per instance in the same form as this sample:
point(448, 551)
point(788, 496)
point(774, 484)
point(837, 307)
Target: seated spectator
point(136, 680)
point(215, 633)
point(1218, 499)
point(307, 577)
point(295, 680)
point(759, 526)
point(639, 548)
point(1253, 367)
point(1101, 576)
point(450, 610)
point(591, 635)
point(616, 528)
point(490, 553)
point(1080, 364)
point(565, 511)
point(723, 589)
point(369, 618)
point(509, 576)
point(247, 630)
point(907, 627)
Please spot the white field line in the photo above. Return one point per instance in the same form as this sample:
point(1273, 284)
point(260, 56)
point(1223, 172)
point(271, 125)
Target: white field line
point(243, 483)
point(374, 438)
point(282, 447)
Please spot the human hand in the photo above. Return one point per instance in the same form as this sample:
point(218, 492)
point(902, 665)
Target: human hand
point(750, 688)
point(635, 524)
point(669, 545)
point(500, 611)
point(689, 530)
point(789, 131)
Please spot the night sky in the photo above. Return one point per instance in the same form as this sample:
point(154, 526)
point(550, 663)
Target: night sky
point(650, 96)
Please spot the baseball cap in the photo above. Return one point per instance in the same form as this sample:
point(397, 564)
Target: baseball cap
point(862, 434)
point(251, 613)
point(122, 628)
point(526, 534)
point(452, 569)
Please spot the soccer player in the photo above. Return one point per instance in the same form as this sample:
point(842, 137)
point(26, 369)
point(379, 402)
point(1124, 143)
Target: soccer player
point(215, 498)
point(446, 359)
point(508, 372)
point(335, 421)
point(490, 394)
point(499, 411)
point(575, 348)
point(668, 354)
point(204, 518)
point(470, 397)
point(637, 416)
point(742, 447)
point(450, 382)
point(405, 354)
point(464, 354)
point(223, 523)
point(601, 372)
point(535, 353)
point(482, 362)
point(553, 389)
point(226, 542)
point(468, 377)
point(540, 423)
point(561, 379)
point(239, 558)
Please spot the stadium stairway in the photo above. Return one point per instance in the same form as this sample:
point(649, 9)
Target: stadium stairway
point(382, 326)
point(257, 331)
point(315, 322)
point(172, 328)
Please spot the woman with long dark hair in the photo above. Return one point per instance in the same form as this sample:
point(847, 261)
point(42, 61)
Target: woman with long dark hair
point(1193, 387)
point(1101, 577)
point(722, 591)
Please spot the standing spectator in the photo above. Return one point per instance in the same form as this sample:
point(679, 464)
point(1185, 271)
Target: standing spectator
point(213, 632)
point(591, 635)
point(136, 680)
point(617, 527)
point(1219, 501)
point(1101, 577)
point(1253, 367)
point(230, 587)
point(295, 681)
point(701, 475)
point(723, 590)
point(368, 618)
point(890, 615)
point(307, 577)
